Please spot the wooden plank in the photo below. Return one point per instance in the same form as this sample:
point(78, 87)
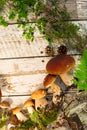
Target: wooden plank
point(23, 66)
point(7, 8)
point(12, 44)
point(82, 24)
point(16, 100)
point(21, 85)
point(73, 6)
point(27, 66)
point(82, 9)
point(22, 74)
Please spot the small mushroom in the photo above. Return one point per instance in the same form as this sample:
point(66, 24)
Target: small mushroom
point(39, 97)
point(9, 126)
point(29, 104)
point(38, 94)
point(17, 111)
point(40, 103)
point(4, 104)
point(49, 81)
point(13, 122)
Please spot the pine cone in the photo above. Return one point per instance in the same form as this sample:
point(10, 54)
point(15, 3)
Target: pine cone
point(49, 51)
point(62, 50)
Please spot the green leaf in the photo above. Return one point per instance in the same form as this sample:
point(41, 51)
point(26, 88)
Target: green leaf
point(2, 3)
point(81, 73)
point(3, 22)
point(12, 15)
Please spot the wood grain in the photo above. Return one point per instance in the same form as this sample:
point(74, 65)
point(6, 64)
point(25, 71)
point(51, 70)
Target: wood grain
point(22, 85)
point(82, 9)
point(23, 66)
point(22, 74)
point(12, 44)
point(16, 100)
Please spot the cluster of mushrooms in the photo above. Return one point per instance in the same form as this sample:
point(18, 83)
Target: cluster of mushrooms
point(54, 85)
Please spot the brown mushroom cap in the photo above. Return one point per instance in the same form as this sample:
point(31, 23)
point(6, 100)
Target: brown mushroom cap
point(16, 110)
point(4, 104)
point(60, 64)
point(38, 94)
point(48, 80)
point(28, 103)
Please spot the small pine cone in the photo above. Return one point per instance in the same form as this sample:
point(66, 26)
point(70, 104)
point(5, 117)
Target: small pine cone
point(49, 51)
point(62, 50)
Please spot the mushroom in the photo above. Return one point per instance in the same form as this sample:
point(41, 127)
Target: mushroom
point(16, 111)
point(40, 103)
point(9, 126)
point(38, 94)
point(59, 65)
point(49, 81)
point(39, 97)
point(4, 104)
point(29, 104)
point(13, 121)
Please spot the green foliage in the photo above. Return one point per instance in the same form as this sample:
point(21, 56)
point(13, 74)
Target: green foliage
point(27, 124)
point(2, 123)
point(46, 13)
point(3, 22)
point(39, 119)
point(36, 118)
point(43, 118)
point(3, 118)
point(2, 3)
point(81, 73)
point(52, 20)
point(49, 117)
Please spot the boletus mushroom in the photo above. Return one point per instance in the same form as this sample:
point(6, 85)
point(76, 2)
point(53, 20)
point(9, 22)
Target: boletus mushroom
point(58, 65)
point(49, 81)
point(17, 111)
point(39, 97)
point(40, 93)
point(29, 105)
point(4, 104)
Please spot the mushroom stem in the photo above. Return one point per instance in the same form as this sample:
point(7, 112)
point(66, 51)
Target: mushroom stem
point(56, 88)
point(9, 126)
point(30, 109)
point(21, 117)
point(61, 84)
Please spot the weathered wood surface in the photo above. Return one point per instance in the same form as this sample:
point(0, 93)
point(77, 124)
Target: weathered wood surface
point(22, 63)
point(82, 9)
point(22, 74)
point(77, 9)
